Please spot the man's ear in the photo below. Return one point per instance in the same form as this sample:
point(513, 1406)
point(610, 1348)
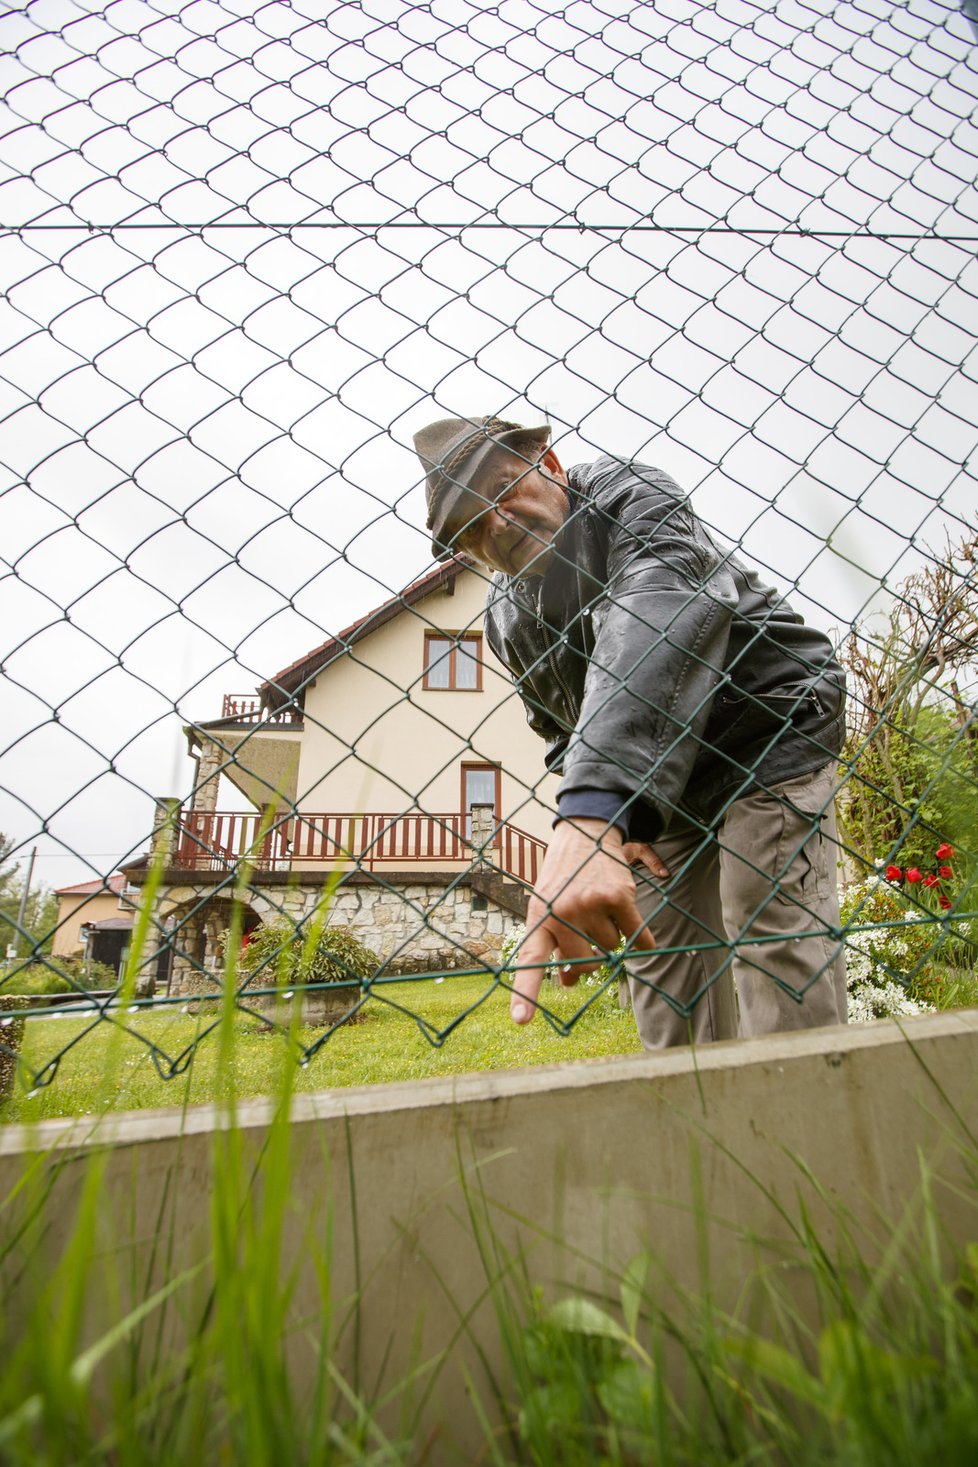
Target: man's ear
point(552, 464)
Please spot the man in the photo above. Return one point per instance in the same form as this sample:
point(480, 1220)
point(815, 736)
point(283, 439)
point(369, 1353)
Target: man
point(695, 721)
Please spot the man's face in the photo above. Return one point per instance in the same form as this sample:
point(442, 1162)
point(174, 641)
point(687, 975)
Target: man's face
point(515, 533)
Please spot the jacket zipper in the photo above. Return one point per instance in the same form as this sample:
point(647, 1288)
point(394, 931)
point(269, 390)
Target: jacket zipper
point(552, 655)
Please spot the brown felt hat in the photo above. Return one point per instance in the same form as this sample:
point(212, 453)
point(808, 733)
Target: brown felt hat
point(454, 451)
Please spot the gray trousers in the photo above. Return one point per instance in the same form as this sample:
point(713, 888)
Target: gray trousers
point(768, 872)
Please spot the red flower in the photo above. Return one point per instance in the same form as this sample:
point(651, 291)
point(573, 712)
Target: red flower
point(930, 880)
point(945, 902)
point(945, 872)
point(912, 873)
point(943, 852)
point(893, 873)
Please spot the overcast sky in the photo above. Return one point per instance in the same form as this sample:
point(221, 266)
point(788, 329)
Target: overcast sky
point(248, 249)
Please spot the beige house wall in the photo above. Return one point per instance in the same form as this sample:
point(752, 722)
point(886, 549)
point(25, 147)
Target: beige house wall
point(74, 912)
point(376, 740)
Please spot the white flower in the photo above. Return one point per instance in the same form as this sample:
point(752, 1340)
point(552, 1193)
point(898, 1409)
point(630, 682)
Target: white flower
point(869, 1002)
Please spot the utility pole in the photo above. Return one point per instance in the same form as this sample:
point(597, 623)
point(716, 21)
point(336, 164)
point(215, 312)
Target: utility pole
point(25, 893)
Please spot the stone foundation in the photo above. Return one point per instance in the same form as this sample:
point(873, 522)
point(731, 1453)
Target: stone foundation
point(414, 926)
point(423, 926)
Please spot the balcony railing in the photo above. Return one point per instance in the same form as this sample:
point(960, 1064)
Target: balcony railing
point(216, 840)
point(246, 708)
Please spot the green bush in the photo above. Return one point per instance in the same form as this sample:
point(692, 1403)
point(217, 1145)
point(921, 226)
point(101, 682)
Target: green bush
point(283, 954)
point(32, 978)
point(912, 789)
point(57, 975)
point(87, 974)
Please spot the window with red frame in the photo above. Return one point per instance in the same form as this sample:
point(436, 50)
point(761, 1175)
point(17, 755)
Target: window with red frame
point(453, 662)
point(481, 785)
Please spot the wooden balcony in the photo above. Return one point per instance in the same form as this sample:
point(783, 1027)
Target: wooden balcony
point(216, 840)
point(247, 708)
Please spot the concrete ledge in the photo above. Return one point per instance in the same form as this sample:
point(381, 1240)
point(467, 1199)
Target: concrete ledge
point(758, 1058)
point(575, 1167)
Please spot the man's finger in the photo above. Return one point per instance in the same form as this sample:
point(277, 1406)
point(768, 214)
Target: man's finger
point(577, 953)
point(635, 928)
point(636, 850)
point(530, 962)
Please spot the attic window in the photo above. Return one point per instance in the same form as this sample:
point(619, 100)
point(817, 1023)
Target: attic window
point(453, 662)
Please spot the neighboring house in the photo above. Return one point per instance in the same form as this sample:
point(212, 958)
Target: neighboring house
point(396, 755)
point(95, 920)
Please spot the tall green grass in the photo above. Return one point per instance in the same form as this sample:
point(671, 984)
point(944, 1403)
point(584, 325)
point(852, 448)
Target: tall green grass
point(859, 1352)
point(863, 1355)
point(114, 1355)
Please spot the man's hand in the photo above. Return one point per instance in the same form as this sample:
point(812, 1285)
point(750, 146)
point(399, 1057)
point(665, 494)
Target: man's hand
point(584, 899)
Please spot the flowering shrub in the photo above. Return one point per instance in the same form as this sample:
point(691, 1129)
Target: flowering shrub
point(900, 962)
point(941, 872)
point(869, 1001)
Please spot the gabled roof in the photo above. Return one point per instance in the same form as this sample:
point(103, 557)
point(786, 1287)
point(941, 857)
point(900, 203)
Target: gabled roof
point(115, 885)
point(285, 684)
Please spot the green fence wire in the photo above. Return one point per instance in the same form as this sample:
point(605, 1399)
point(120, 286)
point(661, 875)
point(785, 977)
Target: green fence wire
point(247, 252)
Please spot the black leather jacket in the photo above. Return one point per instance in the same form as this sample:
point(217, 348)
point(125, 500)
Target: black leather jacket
point(657, 666)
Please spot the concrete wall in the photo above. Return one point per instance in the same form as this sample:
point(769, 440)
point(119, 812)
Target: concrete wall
point(606, 1157)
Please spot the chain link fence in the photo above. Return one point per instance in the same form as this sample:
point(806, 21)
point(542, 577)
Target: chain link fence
point(253, 734)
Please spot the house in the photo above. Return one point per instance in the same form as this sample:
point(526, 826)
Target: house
point(95, 920)
point(392, 762)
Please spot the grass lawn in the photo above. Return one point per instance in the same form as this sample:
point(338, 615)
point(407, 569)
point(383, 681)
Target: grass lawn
point(110, 1065)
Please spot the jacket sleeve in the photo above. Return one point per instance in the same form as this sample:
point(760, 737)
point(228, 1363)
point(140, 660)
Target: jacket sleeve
point(661, 629)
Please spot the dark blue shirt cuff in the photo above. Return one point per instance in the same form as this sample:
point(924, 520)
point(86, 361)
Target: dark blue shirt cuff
point(594, 805)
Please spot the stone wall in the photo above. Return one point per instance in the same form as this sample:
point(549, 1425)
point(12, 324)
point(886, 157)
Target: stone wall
point(424, 925)
point(414, 926)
